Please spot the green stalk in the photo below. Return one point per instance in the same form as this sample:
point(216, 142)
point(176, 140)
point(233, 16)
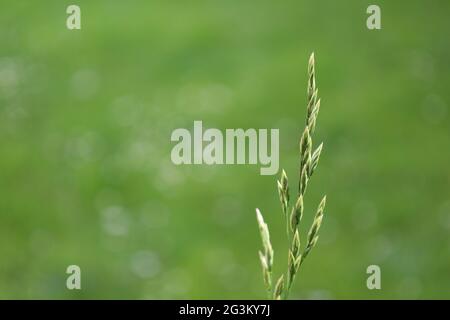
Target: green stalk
point(309, 160)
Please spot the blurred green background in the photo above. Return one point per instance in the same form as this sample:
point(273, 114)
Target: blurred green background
point(86, 117)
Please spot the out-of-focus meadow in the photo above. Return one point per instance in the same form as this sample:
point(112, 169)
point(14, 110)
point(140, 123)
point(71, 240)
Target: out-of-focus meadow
point(86, 117)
